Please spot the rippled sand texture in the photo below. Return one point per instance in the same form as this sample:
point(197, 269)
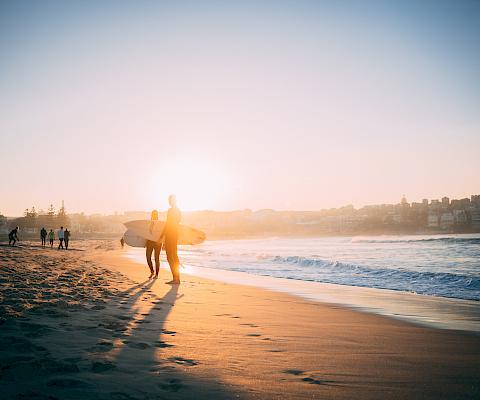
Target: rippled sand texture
point(87, 324)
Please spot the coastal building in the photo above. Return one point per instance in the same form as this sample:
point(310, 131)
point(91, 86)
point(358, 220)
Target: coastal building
point(461, 203)
point(475, 218)
point(433, 221)
point(446, 220)
point(460, 217)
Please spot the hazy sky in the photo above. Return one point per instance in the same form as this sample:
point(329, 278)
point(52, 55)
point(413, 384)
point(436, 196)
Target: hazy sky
point(112, 105)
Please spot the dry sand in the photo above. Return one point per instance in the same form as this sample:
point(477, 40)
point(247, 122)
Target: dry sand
point(86, 324)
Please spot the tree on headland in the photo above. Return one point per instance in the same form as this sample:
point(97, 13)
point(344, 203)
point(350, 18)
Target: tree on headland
point(62, 218)
point(51, 210)
point(3, 222)
point(30, 217)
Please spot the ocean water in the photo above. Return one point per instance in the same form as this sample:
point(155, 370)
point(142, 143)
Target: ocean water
point(446, 266)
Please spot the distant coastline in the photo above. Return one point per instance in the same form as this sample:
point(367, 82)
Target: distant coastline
point(431, 217)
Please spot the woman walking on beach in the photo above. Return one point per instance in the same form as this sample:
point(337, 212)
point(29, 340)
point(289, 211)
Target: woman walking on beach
point(153, 247)
point(51, 236)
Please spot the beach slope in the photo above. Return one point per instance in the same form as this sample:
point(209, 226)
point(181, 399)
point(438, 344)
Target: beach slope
point(87, 324)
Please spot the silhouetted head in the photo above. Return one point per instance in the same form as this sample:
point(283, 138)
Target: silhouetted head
point(172, 200)
point(154, 215)
point(61, 227)
point(16, 228)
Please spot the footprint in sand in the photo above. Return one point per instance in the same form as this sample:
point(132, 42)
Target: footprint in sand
point(308, 379)
point(316, 381)
point(162, 344)
point(99, 366)
point(138, 345)
point(172, 385)
point(102, 346)
point(183, 361)
point(293, 372)
point(254, 334)
point(164, 331)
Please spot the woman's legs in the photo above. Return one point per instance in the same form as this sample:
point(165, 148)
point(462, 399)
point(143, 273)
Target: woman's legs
point(148, 253)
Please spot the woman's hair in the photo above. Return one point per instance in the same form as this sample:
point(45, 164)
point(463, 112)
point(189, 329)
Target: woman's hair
point(154, 215)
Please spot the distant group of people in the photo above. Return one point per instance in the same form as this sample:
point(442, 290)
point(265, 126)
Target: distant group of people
point(62, 235)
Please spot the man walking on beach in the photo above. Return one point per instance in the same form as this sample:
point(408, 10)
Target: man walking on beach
point(51, 237)
point(66, 238)
point(170, 233)
point(60, 235)
point(43, 236)
point(12, 236)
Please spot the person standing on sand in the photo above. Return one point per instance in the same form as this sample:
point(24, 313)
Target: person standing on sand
point(12, 237)
point(170, 233)
point(152, 246)
point(43, 236)
point(51, 237)
point(66, 235)
point(60, 236)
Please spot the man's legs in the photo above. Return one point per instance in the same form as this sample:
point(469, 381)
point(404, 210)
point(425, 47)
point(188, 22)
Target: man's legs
point(66, 244)
point(158, 248)
point(173, 261)
point(60, 246)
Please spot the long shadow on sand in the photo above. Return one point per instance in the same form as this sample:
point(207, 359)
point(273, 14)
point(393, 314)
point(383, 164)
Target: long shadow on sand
point(100, 343)
point(138, 369)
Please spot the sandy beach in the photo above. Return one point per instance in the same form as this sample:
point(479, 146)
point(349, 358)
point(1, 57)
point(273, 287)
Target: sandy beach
point(87, 324)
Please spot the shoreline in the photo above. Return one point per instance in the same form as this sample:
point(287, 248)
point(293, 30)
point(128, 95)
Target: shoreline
point(430, 311)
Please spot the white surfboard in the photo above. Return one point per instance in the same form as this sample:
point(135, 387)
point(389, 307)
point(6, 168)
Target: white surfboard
point(186, 234)
point(134, 239)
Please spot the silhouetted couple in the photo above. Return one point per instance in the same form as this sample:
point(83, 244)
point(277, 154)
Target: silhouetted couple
point(169, 240)
point(63, 237)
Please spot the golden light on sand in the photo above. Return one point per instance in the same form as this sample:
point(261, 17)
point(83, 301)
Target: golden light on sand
point(197, 184)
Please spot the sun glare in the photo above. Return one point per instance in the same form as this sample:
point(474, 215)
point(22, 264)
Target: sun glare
point(198, 185)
